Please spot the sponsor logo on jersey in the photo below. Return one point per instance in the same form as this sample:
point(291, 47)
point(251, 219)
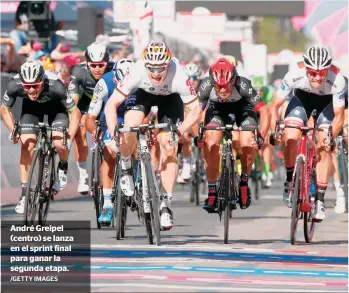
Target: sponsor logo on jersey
point(205, 84)
point(283, 86)
point(69, 100)
point(243, 85)
point(152, 89)
point(331, 83)
point(297, 78)
point(6, 97)
point(98, 89)
point(94, 99)
point(71, 87)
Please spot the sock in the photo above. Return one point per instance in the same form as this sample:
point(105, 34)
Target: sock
point(107, 197)
point(82, 166)
point(321, 189)
point(63, 165)
point(125, 163)
point(266, 169)
point(244, 179)
point(24, 187)
point(186, 160)
point(339, 189)
point(289, 173)
point(212, 188)
point(167, 200)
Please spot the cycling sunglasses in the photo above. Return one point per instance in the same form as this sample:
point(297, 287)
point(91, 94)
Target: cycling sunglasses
point(157, 69)
point(97, 64)
point(314, 73)
point(28, 86)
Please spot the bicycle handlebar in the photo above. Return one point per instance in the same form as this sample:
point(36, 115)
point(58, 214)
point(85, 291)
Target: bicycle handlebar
point(42, 127)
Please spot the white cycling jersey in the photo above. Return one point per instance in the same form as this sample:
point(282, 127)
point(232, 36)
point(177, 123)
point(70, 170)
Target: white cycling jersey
point(297, 79)
point(99, 94)
point(176, 81)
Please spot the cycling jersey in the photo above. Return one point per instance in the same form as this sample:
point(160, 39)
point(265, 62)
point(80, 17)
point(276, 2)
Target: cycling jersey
point(103, 90)
point(242, 89)
point(296, 79)
point(268, 95)
point(82, 84)
point(54, 101)
point(176, 81)
point(53, 90)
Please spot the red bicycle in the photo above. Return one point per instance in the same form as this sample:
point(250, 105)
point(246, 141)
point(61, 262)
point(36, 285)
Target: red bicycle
point(303, 176)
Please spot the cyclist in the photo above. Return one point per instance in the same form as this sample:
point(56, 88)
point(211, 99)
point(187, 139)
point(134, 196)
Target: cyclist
point(194, 73)
point(102, 92)
point(266, 94)
point(227, 92)
point(83, 80)
point(42, 94)
point(315, 84)
point(163, 83)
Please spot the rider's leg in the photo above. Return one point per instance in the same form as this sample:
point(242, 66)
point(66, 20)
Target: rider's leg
point(340, 203)
point(323, 167)
point(60, 119)
point(135, 112)
point(212, 156)
point(294, 115)
point(155, 155)
point(81, 153)
point(186, 157)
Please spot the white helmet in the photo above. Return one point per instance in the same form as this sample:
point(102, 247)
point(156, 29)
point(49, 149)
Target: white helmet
point(96, 52)
point(31, 71)
point(121, 67)
point(192, 70)
point(156, 54)
point(317, 58)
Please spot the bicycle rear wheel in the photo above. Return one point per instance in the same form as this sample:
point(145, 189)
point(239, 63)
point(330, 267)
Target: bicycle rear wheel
point(228, 176)
point(33, 190)
point(295, 196)
point(308, 223)
point(344, 174)
point(195, 180)
point(153, 191)
point(49, 176)
point(120, 202)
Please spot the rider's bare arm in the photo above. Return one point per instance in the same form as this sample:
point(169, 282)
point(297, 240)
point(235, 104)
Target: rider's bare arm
point(111, 107)
point(75, 82)
point(338, 121)
point(274, 106)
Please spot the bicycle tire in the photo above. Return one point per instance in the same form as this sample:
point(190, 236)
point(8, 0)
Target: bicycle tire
point(308, 224)
point(148, 227)
point(50, 179)
point(123, 219)
point(97, 194)
point(113, 194)
point(155, 196)
point(228, 176)
point(120, 201)
point(295, 205)
point(198, 175)
point(344, 176)
point(33, 201)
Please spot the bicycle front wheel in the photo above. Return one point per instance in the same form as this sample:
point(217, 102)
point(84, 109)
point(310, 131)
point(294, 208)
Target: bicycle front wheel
point(33, 190)
point(228, 181)
point(296, 184)
point(155, 198)
point(344, 174)
point(97, 159)
point(49, 175)
point(308, 223)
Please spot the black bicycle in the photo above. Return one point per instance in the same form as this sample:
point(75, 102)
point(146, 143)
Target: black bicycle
point(227, 197)
point(342, 152)
point(42, 173)
point(197, 174)
point(95, 183)
point(147, 190)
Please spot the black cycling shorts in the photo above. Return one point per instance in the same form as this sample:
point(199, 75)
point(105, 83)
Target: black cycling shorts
point(33, 113)
point(302, 104)
point(170, 106)
point(218, 114)
point(84, 104)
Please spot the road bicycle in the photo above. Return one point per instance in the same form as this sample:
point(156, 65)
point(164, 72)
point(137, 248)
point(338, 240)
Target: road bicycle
point(42, 174)
point(342, 152)
point(147, 190)
point(304, 176)
point(227, 196)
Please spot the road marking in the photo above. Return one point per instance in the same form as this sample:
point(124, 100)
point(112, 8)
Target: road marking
point(218, 280)
point(184, 288)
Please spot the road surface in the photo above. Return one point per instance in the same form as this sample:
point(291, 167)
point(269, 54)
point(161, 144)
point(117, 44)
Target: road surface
point(193, 258)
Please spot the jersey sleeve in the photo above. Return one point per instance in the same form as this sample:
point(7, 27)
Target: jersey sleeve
point(14, 89)
point(184, 88)
point(247, 92)
point(99, 94)
point(288, 84)
point(131, 80)
point(76, 80)
point(204, 91)
point(339, 91)
point(58, 91)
